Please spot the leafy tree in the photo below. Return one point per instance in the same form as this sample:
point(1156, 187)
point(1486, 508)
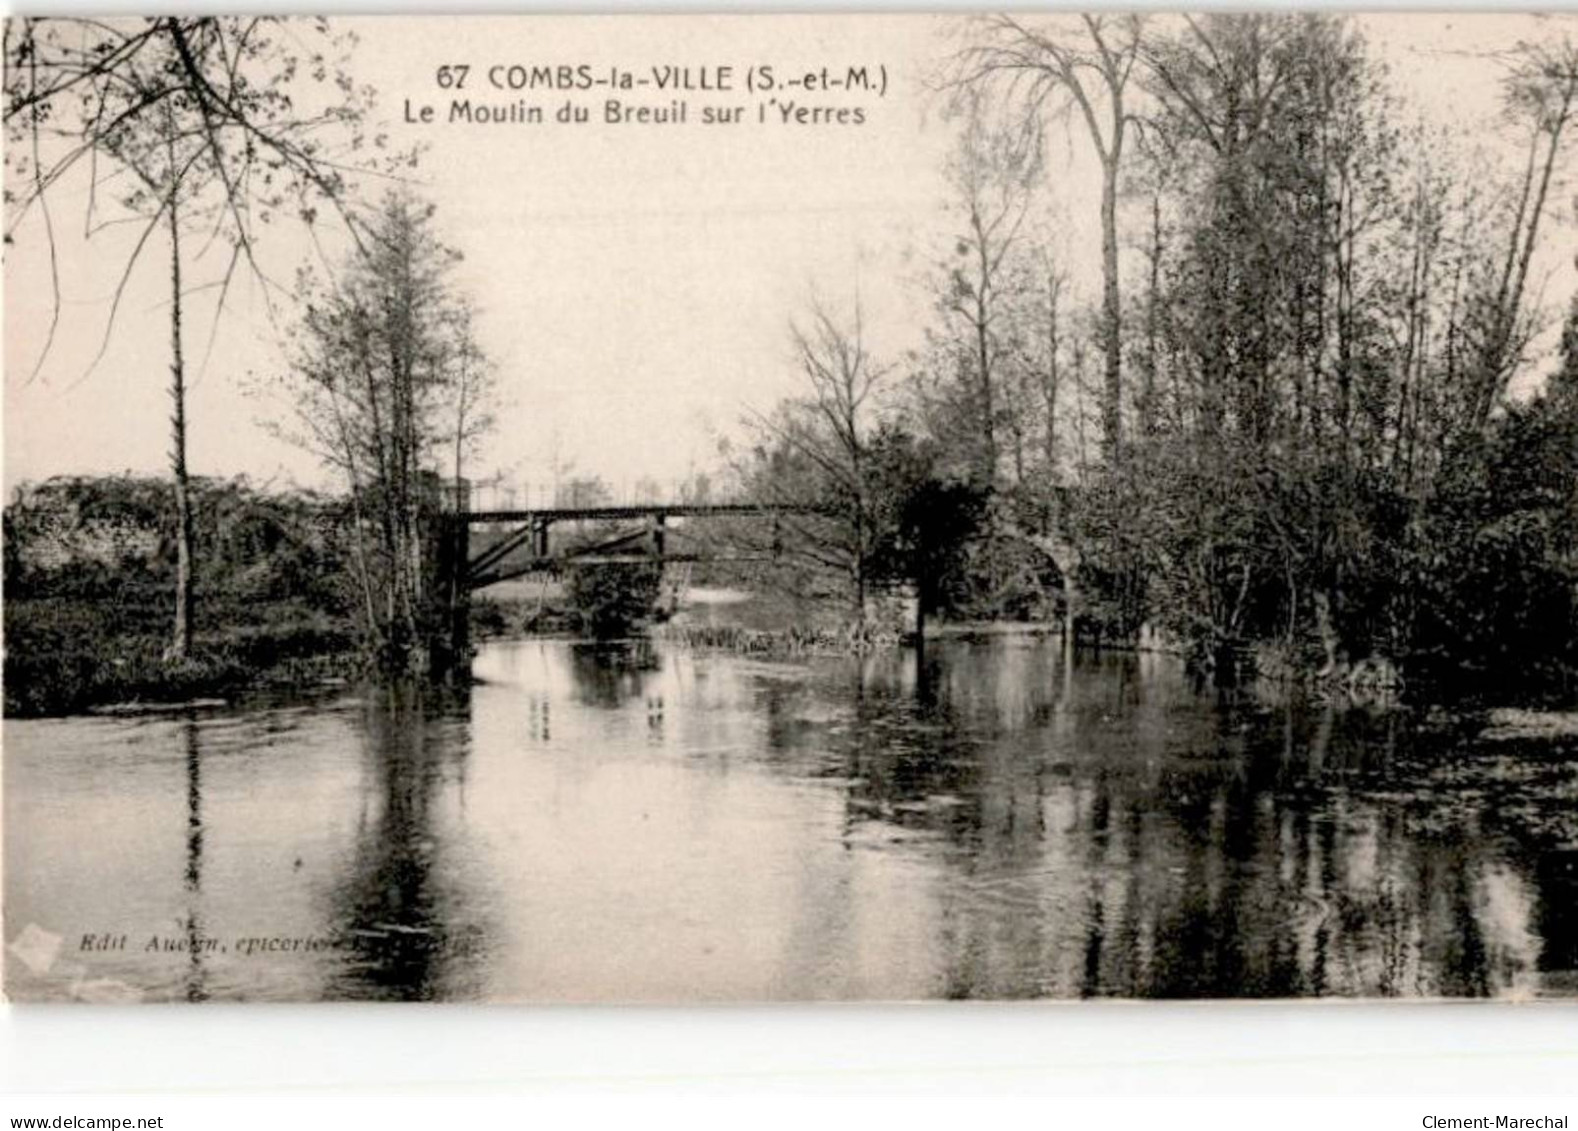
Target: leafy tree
point(380, 359)
point(614, 597)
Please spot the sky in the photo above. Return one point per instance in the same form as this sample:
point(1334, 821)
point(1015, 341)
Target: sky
point(635, 282)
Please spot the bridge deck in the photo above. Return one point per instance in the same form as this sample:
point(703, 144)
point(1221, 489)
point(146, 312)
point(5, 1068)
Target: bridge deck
point(639, 510)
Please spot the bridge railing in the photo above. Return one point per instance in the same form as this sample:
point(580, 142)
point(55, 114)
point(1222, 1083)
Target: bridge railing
point(497, 494)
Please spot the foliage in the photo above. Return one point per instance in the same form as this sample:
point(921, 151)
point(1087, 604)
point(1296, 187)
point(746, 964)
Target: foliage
point(85, 622)
point(612, 598)
point(814, 452)
point(386, 381)
point(1300, 440)
point(928, 528)
point(68, 537)
point(208, 126)
point(1499, 595)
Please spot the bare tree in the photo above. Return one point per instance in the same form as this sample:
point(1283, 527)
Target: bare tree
point(815, 449)
point(1541, 97)
point(1086, 71)
point(1045, 341)
point(223, 123)
point(992, 174)
point(473, 389)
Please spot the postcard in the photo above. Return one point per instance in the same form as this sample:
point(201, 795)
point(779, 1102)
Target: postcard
point(766, 508)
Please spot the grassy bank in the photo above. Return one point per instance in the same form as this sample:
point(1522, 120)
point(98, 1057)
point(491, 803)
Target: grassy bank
point(523, 607)
point(89, 595)
point(67, 654)
point(758, 622)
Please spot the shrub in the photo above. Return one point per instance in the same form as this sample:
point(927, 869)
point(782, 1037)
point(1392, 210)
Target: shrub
point(614, 597)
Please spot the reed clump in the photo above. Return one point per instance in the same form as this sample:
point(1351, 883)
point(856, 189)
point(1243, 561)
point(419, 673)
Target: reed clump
point(851, 638)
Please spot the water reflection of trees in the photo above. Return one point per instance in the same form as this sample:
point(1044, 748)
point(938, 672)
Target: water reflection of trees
point(408, 932)
point(1115, 834)
point(609, 673)
point(196, 988)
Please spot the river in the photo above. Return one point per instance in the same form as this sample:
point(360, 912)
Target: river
point(635, 823)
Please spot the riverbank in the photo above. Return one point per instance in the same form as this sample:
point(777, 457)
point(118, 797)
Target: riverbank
point(90, 594)
point(766, 623)
point(67, 656)
point(725, 619)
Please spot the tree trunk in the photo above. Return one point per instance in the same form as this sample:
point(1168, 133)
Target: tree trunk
point(1051, 382)
point(983, 358)
point(181, 640)
point(1152, 321)
point(1507, 317)
point(1111, 313)
point(860, 560)
point(1328, 633)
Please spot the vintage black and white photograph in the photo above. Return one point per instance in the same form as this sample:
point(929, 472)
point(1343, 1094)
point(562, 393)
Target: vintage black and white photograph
point(764, 508)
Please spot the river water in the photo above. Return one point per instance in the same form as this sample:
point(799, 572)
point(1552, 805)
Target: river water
point(630, 822)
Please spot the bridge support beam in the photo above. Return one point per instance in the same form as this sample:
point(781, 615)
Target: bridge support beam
point(444, 620)
point(451, 646)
